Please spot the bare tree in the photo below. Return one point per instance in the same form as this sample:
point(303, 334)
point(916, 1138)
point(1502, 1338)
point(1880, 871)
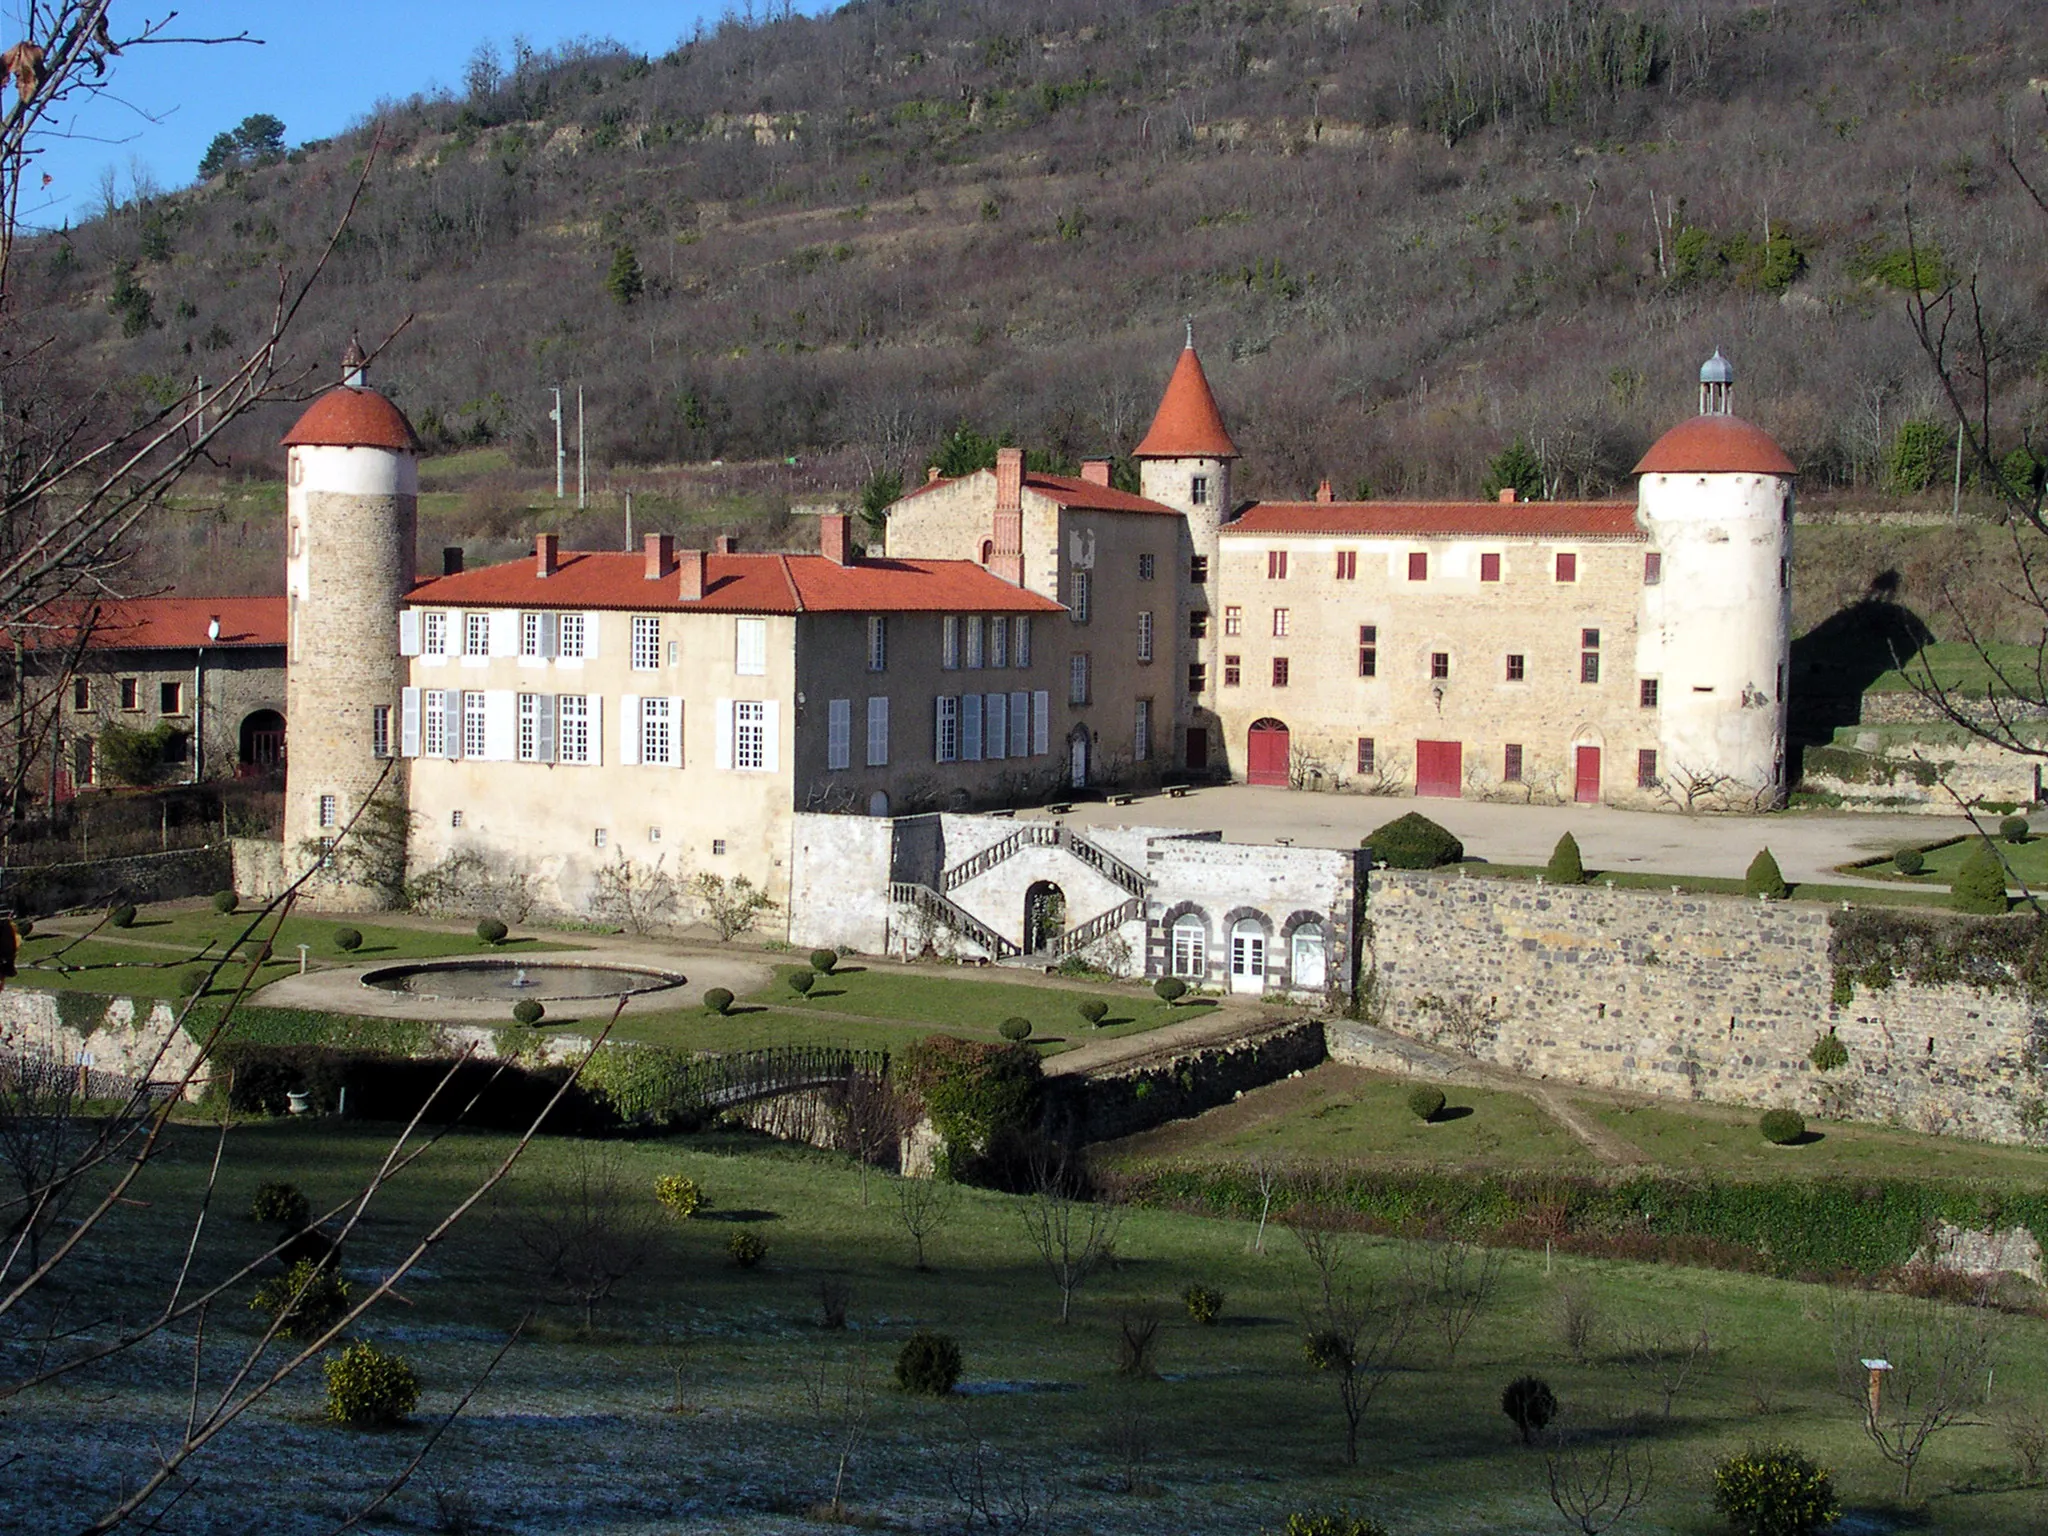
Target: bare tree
point(1664, 1363)
point(924, 1206)
point(1355, 1325)
point(1457, 1281)
point(997, 1491)
point(840, 1394)
point(877, 1116)
point(587, 1227)
point(41, 1135)
point(1934, 1363)
point(1073, 1236)
point(1597, 1478)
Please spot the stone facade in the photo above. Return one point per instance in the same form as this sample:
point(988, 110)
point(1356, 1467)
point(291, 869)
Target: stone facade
point(50, 888)
point(204, 694)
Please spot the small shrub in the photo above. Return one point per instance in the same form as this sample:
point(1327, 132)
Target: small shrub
point(1979, 886)
point(225, 902)
point(192, 978)
point(746, 1249)
point(305, 1301)
point(348, 940)
point(1095, 1010)
point(928, 1365)
point(1327, 1522)
point(1169, 989)
point(680, 1195)
point(1565, 866)
point(1909, 861)
point(122, 916)
point(1765, 879)
point(1828, 1053)
point(366, 1387)
point(1414, 841)
point(529, 1011)
point(491, 931)
point(1137, 1337)
point(1529, 1404)
point(1426, 1103)
point(2014, 829)
point(280, 1203)
point(719, 1001)
point(1327, 1350)
point(1204, 1303)
point(1782, 1127)
point(1014, 1029)
point(801, 982)
point(824, 961)
point(1775, 1490)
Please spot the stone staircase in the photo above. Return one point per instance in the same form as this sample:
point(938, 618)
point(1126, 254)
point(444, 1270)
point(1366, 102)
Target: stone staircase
point(941, 908)
point(1046, 834)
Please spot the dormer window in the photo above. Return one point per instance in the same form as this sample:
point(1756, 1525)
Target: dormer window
point(1198, 491)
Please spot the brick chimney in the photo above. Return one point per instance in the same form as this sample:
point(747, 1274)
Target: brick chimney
point(547, 554)
point(1009, 479)
point(1325, 494)
point(1095, 471)
point(835, 538)
point(691, 564)
point(1507, 493)
point(661, 555)
point(931, 474)
point(727, 545)
point(451, 560)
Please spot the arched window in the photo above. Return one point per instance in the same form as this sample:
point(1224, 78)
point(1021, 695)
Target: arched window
point(1308, 956)
point(1190, 947)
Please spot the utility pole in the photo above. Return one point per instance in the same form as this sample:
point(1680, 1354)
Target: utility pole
point(629, 521)
point(582, 481)
point(556, 417)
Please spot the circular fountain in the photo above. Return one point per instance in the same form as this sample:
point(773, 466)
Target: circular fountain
point(486, 981)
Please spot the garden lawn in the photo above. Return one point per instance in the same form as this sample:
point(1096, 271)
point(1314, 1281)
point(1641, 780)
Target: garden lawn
point(1717, 885)
point(2026, 863)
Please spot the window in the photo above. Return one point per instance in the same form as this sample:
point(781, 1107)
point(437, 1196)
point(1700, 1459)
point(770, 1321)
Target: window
point(434, 723)
point(1233, 670)
point(572, 714)
point(1418, 566)
point(1367, 755)
point(1198, 677)
point(1141, 731)
point(1489, 567)
point(878, 731)
point(380, 730)
point(1145, 567)
point(1590, 639)
point(972, 625)
point(949, 641)
point(750, 647)
point(1589, 656)
point(528, 736)
point(1567, 567)
point(170, 698)
point(878, 643)
point(946, 741)
point(1440, 664)
point(434, 633)
point(475, 733)
point(1079, 605)
point(654, 834)
point(1518, 669)
point(839, 734)
point(599, 837)
point(1780, 697)
point(529, 635)
point(131, 693)
point(1198, 491)
point(999, 642)
point(1347, 565)
point(1646, 693)
point(1077, 678)
point(455, 818)
point(1279, 671)
point(1784, 575)
point(1276, 565)
point(1198, 624)
point(749, 734)
point(718, 847)
point(1280, 618)
point(646, 642)
point(1653, 569)
point(1368, 650)
point(1511, 763)
point(1198, 570)
point(1020, 641)
point(1190, 947)
point(569, 636)
point(1145, 636)
point(657, 733)
point(330, 811)
point(1646, 768)
point(81, 693)
point(1233, 619)
point(476, 634)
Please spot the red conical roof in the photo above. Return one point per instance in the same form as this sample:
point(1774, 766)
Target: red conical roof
point(1188, 424)
point(345, 417)
point(1708, 445)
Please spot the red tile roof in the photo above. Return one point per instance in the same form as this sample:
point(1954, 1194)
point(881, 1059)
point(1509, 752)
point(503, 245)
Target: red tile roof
point(1188, 424)
point(739, 584)
point(1709, 445)
point(167, 623)
point(353, 418)
point(1443, 519)
point(1087, 496)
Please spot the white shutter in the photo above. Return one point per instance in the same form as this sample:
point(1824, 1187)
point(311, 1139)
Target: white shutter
point(1041, 723)
point(409, 720)
point(1020, 640)
point(878, 731)
point(591, 626)
point(629, 728)
point(501, 723)
point(550, 635)
point(409, 634)
point(504, 632)
point(839, 734)
point(544, 727)
point(994, 727)
point(1020, 725)
point(771, 734)
point(970, 728)
point(596, 706)
point(451, 722)
point(722, 754)
point(675, 733)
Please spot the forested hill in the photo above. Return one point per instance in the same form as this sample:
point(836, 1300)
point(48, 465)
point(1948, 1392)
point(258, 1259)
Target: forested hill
point(1407, 232)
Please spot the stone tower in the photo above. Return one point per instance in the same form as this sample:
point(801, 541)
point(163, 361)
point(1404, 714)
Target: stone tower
point(1184, 462)
point(351, 509)
point(1715, 495)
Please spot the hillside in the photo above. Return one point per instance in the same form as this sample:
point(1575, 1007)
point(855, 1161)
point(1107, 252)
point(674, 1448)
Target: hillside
point(1407, 233)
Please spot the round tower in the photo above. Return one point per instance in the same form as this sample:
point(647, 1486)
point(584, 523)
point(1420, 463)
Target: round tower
point(1184, 462)
point(351, 509)
point(1715, 495)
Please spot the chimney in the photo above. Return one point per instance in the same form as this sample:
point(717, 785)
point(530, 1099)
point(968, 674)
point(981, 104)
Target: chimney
point(1009, 479)
point(1507, 493)
point(691, 563)
point(1325, 494)
point(1095, 471)
point(661, 554)
point(726, 545)
point(547, 554)
point(451, 560)
point(355, 366)
point(835, 538)
point(931, 474)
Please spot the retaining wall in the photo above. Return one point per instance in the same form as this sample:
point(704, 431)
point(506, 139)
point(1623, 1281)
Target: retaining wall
point(1101, 1106)
point(48, 888)
point(122, 1037)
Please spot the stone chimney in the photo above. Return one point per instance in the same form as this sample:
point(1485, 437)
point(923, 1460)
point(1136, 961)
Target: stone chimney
point(1009, 479)
point(726, 545)
point(1507, 493)
point(661, 554)
point(691, 563)
point(931, 474)
point(1095, 471)
point(835, 538)
point(451, 560)
point(1325, 494)
point(547, 554)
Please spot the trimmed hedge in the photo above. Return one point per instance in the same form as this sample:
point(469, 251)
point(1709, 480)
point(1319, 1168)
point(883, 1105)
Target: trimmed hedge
point(1425, 1103)
point(1782, 1127)
point(1765, 879)
point(1566, 867)
point(1413, 841)
point(1909, 861)
point(1979, 886)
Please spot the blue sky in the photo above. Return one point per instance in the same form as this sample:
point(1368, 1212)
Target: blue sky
point(322, 65)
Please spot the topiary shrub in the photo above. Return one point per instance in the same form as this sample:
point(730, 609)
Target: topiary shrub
point(1426, 1103)
point(1565, 866)
point(2014, 829)
point(367, 1388)
point(1169, 989)
point(1095, 1010)
point(928, 1364)
point(1765, 879)
point(1414, 841)
point(680, 1195)
point(1774, 1490)
point(192, 978)
point(1828, 1053)
point(348, 940)
point(1979, 886)
point(1782, 1127)
point(746, 1249)
point(1330, 1522)
point(824, 961)
point(122, 916)
point(801, 982)
point(304, 1302)
point(225, 902)
point(1529, 1404)
point(1909, 861)
point(717, 1000)
point(281, 1203)
point(1014, 1029)
point(528, 1011)
point(1204, 1303)
point(491, 931)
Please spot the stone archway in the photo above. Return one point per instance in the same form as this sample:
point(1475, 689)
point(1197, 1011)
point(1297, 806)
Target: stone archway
point(261, 749)
point(1045, 916)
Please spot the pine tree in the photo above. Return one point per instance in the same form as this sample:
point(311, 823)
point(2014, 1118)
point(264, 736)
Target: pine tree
point(1979, 886)
point(1765, 879)
point(1517, 470)
point(624, 282)
point(1565, 866)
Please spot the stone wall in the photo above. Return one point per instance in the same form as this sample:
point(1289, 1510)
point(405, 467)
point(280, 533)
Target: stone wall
point(1919, 776)
point(258, 867)
point(122, 1037)
point(48, 888)
point(1691, 997)
point(1102, 1106)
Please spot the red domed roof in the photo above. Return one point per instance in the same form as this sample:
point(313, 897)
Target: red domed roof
point(345, 417)
point(1188, 425)
point(1708, 445)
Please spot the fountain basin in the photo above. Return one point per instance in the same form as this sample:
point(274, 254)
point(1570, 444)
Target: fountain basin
point(508, 981)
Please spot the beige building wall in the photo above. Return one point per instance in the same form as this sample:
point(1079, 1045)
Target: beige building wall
point(230, 684)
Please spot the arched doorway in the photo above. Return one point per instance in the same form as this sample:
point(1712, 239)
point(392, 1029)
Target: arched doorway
point(1077, 758)
point(262, 744)
point(1248, 955)
point(878, 803)
point(1045, 916)
point(1266, 752)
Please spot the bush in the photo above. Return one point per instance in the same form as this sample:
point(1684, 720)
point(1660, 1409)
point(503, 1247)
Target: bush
point(1775, 1490)
point(192, 978)
point(1529, 1404)
point(225, 902)
point(1828, 1053)
point(824, 961)
point(746, 1249)
point(528, 1011)
point(122, 916)
point(491, 931)
point(366, 1387)
point(1169, 989)
point(2014, 829)
point(1014, 1029)
point(1324, 1522)
point(680, 1195)
point(1979, 886)
point(801, 982)
point(928, 1365)
point(1782, 1127)
point(1095, 1010)
point(304, 1302)
point(1765, 879)
point(23, 927)
point(1414, 841)
point(1327, 1350)
point(719, 1001)
point(1204, 1303)
point(1426, 1103)
point(348, 940)
point(281, 1203)
point(1909, 861)
point(1565, 866)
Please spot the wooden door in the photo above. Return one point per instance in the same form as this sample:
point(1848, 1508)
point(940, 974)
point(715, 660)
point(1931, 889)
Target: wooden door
point(1266, 752)
point(1588, 791)
point(1440, 769)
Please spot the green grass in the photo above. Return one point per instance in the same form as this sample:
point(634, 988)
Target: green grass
point(1721, 885)
point(1960, 666)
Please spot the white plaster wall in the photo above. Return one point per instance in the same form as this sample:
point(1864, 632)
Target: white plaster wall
point(997, 897)
point(839, 882)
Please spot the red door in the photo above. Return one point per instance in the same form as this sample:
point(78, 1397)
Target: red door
point(1266, 753)
point(1589, 776)
point(1440, 769)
